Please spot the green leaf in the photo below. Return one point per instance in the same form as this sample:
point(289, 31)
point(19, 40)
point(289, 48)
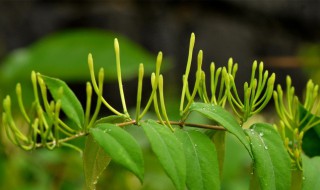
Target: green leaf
point(168, 150)
point(219, 141)
point(112, 119)
point(121, 147)
point(311, 168)
point(272, 163)
point(64, 55)
point(95, 161)
point(224, 118)
point(202, 163)
point(69, 102)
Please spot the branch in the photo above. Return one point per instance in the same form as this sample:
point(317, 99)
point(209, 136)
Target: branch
point(133, 122)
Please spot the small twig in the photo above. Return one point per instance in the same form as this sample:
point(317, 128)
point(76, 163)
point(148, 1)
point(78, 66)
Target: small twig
point(82, 134)
point(134, 122)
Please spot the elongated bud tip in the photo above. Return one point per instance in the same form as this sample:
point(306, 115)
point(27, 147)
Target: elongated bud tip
point(288, 80)
point(275, 95)
point(212, 67)
point(309, 85)
point(89, 89)
point(235, 67)
point(18, 89)
point(200, 57)
point(33, 77)
point(266, 73)
point(160, 81)
point(116, 45)
point(230, 62)
point(101, 74)
point(272, 79)
point(159, 60)
point(90, 59)
point(261, 66)
point(40, 80)
point(153, 78)
point(246, 86)
point(254, 65)
point(58, 106)
point(141, 70)
point(301, 135)
point(192, 39)
point(7, 102)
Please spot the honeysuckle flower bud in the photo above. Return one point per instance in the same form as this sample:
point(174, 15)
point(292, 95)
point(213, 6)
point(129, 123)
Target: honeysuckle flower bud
point(139, 91)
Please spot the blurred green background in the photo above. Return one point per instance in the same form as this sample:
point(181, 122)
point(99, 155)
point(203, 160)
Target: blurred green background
point(54, 38)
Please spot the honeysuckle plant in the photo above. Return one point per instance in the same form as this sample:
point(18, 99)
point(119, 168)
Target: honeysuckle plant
point(191, 158)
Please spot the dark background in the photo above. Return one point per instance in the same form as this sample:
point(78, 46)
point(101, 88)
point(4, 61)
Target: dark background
point(270, 31)
point(273, 31)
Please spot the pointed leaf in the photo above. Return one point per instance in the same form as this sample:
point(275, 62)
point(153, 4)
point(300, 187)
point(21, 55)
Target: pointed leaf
point(224, 118)
point(202, 163)
point(69, 102)
point(168, 150)
point(95, 161)
point(112, 119)
point(121, 146)
point(311, 168)
point(271, 161)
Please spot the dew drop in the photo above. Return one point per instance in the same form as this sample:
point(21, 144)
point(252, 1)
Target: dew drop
point(265, 147)
point(195, 145)
point(303, 178)
point(261, 134)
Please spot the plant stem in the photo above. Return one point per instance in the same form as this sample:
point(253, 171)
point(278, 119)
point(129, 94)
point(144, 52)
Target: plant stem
point(296, 179)
point(134, 122)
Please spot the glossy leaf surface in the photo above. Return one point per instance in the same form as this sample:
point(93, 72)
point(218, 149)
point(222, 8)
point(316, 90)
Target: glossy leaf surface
point(169, 151)
point(121, 146)
point(95, 161)
point(272, 163)
point(224, 118)
point(69, 102)
point(311, 168)
point(202, 163)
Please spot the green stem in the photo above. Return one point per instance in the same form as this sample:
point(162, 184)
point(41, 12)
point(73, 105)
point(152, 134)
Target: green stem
point(186, 75)
point(95, 85)
point(219, 142)
point(139, 91)
point(123, 100)
point(254, 182)
point(296, 179)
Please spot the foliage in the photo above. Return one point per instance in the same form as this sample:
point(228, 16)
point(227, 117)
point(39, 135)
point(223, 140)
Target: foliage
point(190, 157)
